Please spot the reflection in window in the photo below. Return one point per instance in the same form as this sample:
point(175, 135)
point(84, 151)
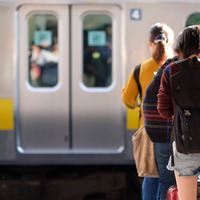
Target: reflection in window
point(43, 45)
point(193, 19)
point(97, 48)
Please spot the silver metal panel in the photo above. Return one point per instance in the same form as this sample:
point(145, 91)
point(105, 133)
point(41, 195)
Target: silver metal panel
point(6, 52)
point(7, 147)
point(43, 114)
point(97, 113)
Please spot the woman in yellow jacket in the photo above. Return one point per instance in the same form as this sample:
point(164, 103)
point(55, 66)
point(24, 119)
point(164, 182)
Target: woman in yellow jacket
point(161, 38)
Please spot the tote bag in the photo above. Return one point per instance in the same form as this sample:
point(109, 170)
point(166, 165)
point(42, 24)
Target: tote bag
point(143, 153)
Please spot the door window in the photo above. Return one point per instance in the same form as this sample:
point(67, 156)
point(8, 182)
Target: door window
point(43, 48)
point(97, 50)
point(193, 19)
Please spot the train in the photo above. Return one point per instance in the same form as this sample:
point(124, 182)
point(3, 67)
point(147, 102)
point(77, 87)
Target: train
point(63, 64)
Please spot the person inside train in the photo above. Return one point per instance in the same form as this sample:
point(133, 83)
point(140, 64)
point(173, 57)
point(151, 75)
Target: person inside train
point(160, 41)
point(98, 59)
point(186, 166)
point(41, 60)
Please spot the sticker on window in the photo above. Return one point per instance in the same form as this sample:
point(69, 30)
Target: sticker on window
point(43, 38)
point(96, 38)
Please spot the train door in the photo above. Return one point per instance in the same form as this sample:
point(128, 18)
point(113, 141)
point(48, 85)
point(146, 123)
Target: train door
point(69, 79)
point(97, 79)
point(43, 79)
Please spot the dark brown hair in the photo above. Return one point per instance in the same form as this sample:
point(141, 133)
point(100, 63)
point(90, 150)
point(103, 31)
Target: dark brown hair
point(161, 35)
point(188, 41)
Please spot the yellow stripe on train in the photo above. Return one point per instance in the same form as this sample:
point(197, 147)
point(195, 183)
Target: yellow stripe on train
point(132, 118)
point(6, 114)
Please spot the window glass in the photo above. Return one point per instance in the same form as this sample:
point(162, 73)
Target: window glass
point(97, 49)
point(43, 48)
point(193, 19)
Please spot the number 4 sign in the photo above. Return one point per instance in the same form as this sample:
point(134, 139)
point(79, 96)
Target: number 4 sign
point(136, 14)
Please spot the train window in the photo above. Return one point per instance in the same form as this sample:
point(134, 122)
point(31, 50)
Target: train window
point(193, 19)
point(43, 45)
point(97, 50)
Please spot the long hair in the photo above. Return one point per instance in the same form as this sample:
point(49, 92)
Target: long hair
point(163, 37)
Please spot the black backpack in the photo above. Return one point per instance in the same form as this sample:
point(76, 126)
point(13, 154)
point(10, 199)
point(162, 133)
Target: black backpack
point(186, 94)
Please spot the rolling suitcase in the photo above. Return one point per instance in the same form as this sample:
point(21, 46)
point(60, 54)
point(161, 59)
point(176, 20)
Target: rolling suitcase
point(172, 193)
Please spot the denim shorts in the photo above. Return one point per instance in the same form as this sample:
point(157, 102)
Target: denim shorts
point(185, 164)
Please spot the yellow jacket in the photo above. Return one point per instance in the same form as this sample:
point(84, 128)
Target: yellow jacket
point(130, 91)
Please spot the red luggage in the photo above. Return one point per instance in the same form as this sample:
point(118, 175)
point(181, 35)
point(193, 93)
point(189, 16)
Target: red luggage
point(172, 193)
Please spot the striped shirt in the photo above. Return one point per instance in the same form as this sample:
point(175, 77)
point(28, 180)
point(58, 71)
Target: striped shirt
point(158, 128)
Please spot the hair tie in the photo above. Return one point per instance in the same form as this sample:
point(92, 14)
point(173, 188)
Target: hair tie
point(160, 38)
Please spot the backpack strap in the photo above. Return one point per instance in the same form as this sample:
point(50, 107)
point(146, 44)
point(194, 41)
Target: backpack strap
point(171, 146)
point(136, 75)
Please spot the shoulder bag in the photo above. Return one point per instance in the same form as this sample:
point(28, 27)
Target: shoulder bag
point(143, 153)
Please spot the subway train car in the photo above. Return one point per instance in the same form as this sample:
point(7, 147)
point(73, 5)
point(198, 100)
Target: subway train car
point(63, 64)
